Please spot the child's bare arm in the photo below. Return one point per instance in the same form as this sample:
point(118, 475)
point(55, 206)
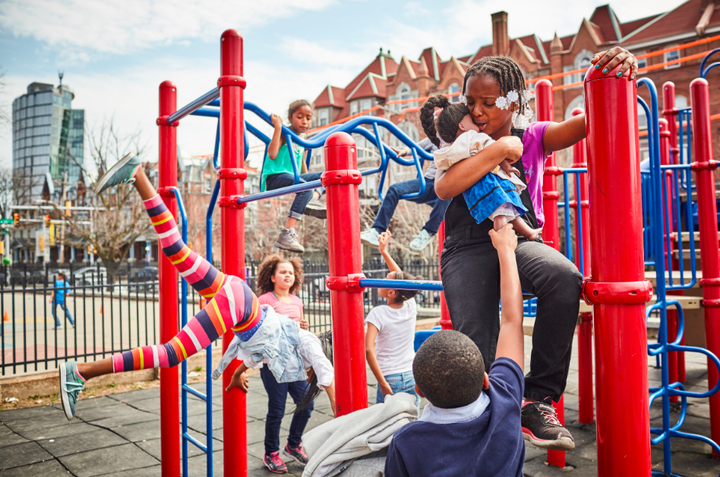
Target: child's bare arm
point(382, 245)
point(276, 141)
point(239, 379)
point(372, 359)
point(511, 342)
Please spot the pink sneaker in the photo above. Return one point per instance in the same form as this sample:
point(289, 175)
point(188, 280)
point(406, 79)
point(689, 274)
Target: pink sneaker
point(275, 463)
point(297, 454)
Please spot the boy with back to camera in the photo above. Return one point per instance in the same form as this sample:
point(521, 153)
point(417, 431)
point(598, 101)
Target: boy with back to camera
point(472, 424)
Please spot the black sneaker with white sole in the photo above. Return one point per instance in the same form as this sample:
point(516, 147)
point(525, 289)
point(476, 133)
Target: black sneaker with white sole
point(541, 427)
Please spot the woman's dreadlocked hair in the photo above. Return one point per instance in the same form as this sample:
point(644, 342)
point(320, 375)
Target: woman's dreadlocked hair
point(505, 71)
point(313, 390)
point(447, 122)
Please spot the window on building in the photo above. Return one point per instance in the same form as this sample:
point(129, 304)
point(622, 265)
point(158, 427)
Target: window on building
point(403, 93)
point(365, 104)
point(452, 89)
point(642, 62)
point(207, 185)
point(672, 56)
point(354, 105)
point(323, 117)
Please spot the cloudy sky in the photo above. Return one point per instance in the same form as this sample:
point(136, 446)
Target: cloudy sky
point(115, 54)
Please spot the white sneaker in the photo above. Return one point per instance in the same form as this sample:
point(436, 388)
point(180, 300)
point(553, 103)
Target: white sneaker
point(421, 240)
point(288, 241)
point(370, 237)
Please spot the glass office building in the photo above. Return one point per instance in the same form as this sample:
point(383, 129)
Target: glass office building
point(48, 137)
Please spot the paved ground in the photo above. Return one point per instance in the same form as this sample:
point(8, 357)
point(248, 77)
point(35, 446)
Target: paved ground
point(119, 435)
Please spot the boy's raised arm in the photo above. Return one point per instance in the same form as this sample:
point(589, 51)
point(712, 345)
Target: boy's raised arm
point(511, 342)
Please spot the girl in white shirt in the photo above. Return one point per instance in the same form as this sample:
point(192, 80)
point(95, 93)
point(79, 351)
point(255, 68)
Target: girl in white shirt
point(390, 337)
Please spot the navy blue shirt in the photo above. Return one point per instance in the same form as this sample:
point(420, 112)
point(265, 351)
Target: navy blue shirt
point(490, 445)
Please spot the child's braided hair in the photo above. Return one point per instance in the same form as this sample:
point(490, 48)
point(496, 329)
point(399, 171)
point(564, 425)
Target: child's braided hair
point(447, 122)
point(505, 71)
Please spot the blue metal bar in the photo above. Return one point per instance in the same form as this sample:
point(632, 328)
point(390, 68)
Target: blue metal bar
point(402, 284)
point(291, 153)
point(183, 322)
point(566, 206)
point(707, 70)
point(652, 115)
point(216, 150)
point(704, 61)
point(184, 388)
point(194, 106)
point(194, 392)
point(293, 189)
point(187, 437)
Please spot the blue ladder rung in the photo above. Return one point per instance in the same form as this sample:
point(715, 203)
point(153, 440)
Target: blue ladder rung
point(194, 392)
point(195, 442)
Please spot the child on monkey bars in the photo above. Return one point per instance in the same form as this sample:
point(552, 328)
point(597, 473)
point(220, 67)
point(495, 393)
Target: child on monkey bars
point(261, 333)
point(497, 195)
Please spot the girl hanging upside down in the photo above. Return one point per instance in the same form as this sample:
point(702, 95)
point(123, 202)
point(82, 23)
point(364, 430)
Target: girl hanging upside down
point(497, 195)
point(232, 306)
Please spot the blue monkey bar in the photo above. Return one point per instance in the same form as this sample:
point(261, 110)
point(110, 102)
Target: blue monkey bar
point(184, 387)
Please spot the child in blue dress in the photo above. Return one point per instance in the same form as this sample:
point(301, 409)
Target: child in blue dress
point(495, 196)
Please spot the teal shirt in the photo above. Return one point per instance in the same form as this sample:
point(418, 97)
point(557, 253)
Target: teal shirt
point(281, 164)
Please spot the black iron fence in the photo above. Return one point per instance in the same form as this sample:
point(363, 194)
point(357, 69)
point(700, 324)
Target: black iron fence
point(102, 310)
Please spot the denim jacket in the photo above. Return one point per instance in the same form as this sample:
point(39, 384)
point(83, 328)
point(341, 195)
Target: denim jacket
point(275, 342)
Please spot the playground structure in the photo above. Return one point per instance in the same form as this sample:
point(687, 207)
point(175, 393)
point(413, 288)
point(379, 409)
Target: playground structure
point(648, 217)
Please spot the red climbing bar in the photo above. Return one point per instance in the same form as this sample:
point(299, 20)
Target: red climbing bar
point(445, 322)
point(551, 230)
point(704, 167)
point(672, 314)
point(585, 356)
point(618, 288)
point(341, 179)
point(168, 288)
point(231, 87)
point(671, 116)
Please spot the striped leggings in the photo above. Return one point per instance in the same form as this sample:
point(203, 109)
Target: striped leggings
point(233, 306)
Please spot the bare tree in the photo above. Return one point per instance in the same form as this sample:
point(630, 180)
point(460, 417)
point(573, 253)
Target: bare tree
point(118, 218)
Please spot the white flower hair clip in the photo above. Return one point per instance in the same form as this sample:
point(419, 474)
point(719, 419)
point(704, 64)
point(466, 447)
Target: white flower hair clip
point(519, 121)
point(463, 99)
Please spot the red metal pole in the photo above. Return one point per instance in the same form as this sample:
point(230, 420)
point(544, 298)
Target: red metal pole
point(618, 288)
point(585, 353)
point(551, 229)
point(445, 321)
point(671, 114)
point(672, 314)
point(704, 167)
point(168, 277)
point(231, 85)
point(345, 256)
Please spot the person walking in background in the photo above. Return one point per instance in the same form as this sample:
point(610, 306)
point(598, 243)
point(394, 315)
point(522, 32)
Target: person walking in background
point(58, 298)
point(396, 191)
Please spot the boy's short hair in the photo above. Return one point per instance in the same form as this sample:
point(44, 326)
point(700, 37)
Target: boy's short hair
point(61, 275)
point(449, 369)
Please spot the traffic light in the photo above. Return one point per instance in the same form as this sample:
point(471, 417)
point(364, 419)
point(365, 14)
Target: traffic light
point(67, 208)
point(47, 221)
point(16, 218)
point(42, 242)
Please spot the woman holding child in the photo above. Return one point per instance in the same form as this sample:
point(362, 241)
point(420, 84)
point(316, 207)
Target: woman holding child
point(494, 92)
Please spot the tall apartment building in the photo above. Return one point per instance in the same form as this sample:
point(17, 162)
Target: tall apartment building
point(48, 139)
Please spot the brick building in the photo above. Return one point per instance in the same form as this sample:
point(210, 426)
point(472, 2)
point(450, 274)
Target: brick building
point(385, 79)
